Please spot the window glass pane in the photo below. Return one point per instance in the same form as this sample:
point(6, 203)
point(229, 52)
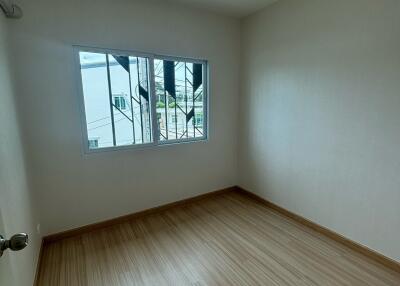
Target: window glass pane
point(198, 99)
point(96, 97)
point(120, 88)
point(142, 92)
point(117, 99)
point(179, 99)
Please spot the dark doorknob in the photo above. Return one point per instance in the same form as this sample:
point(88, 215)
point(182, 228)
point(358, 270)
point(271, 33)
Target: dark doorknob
point(17, 242)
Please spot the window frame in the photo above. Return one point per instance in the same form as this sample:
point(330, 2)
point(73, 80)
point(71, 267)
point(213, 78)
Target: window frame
point(156, 142)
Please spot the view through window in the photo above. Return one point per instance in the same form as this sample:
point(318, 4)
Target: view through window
point(125, 97)
point(180, 98)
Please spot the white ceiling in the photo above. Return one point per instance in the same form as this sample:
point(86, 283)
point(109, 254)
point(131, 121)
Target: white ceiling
point(235, 8)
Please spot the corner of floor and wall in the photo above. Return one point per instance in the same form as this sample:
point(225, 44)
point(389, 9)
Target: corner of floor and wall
point(277, 78)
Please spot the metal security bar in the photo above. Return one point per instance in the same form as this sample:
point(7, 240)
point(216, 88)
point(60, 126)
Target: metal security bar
point(181, 84)
point(111, 100)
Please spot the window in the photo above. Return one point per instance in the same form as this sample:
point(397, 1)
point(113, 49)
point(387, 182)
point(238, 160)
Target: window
point(136, 99)
point(199, 119)
point(93, 143)
point(119, 102)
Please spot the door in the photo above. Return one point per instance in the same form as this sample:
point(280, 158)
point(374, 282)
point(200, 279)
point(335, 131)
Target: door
point(6, 272)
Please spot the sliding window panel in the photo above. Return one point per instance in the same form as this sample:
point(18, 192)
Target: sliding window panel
point(142, 93)
point(180, 99)
point(117, 99)
point(198, 100)
point(181, 107)
point(120, 99)
point(161, 100)
point(96, 97)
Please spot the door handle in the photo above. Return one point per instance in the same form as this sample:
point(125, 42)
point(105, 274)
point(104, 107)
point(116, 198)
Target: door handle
point(17, 242)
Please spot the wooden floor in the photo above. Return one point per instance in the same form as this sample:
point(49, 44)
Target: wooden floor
point(227, 240)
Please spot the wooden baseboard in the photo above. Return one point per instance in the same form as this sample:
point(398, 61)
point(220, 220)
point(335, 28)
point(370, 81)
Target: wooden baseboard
point(39, 261)
point(122, 219)
point(380, 258)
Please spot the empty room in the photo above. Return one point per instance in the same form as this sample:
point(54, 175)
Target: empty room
point(199, 142)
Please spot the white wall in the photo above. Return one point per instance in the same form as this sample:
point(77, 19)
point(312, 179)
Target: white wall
point(320, 113)
point(76, 189)
point(16, 204)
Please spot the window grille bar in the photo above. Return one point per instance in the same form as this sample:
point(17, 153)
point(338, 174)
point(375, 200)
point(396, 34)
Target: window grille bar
point(140, 98)
point(194, 108)
point(132, 112)
point(189, 71)
point(199, 131)
point(200, 93)
point(186, 102)
point(123, 113)
point(149, 101)
point(176, 115)
point(110, 99)
point(166, 111)
point(183, 134)
point(180, 108)
point(137, 101)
